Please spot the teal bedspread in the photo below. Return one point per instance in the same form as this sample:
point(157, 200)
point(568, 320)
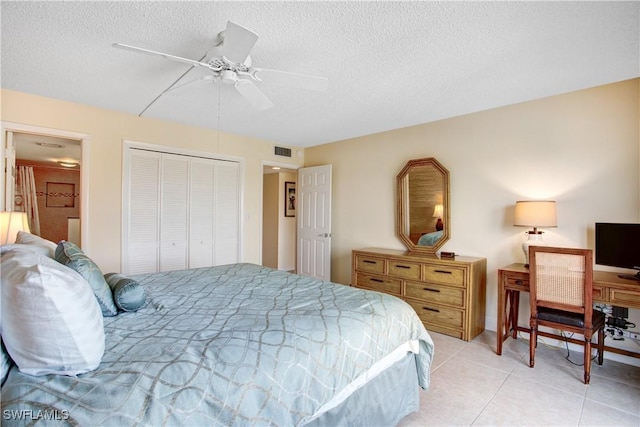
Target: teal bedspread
point(229, 345)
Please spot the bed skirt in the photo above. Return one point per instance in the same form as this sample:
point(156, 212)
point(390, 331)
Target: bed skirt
point(383, 401)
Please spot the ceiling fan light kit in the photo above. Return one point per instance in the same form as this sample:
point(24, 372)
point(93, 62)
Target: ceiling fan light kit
point(231, 64)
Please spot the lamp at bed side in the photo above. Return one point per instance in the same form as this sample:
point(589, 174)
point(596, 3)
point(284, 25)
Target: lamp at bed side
point(437, 213)
point(534, 214)
point(10, 224)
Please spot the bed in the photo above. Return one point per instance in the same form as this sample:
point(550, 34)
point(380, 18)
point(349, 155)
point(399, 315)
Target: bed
point(430, 239)
point(239, 344)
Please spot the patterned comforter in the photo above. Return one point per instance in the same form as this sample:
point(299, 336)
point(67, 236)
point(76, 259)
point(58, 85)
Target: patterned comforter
point(229, 345)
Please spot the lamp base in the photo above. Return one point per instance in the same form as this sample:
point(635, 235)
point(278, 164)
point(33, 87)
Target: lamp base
point(534, 239)
point(439, 224)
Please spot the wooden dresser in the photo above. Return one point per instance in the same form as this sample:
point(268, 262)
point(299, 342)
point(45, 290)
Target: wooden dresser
point(449, 295)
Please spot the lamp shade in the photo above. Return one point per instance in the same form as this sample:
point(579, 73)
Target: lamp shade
point(535, 214)
point(10, 224)
point(437, 211)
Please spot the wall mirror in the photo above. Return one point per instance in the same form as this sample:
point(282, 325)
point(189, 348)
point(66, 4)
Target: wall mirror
point(422, 206)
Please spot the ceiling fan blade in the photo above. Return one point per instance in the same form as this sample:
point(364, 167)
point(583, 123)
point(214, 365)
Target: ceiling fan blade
point(164, 55)
point(285, 78)
point(238, 42)
point(253, 95)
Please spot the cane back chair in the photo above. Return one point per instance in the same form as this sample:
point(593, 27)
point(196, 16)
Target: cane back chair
point(561, 297)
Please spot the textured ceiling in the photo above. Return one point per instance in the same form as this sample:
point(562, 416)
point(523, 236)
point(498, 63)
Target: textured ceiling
point(389, 64)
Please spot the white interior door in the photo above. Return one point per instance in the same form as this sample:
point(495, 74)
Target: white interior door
point(201, 194)
point(9, 171)
point(226, 213)
point(174, 211)
point(314, 222)
point(141, 225)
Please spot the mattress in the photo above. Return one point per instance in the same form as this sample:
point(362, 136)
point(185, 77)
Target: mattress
point(238, 344)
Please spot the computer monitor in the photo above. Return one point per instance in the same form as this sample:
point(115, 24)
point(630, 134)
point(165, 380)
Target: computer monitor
point(618, 245)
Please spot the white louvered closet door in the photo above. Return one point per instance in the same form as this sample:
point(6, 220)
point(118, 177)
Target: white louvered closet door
point(201, 213)
point(226, 213)
point(180, 212)
point(142, 224)
point(174, 211)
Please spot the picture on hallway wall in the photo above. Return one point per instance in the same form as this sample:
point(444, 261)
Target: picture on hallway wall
point(289, 198)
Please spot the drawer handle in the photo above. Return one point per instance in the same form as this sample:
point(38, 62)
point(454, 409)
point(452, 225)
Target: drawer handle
point(518, 282)
point(431, 290)
point(443, 271)
point(366, 261)
point(431, 309)
point(377, 280)
point(403, 266)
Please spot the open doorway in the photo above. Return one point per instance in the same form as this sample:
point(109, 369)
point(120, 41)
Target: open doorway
point(43, 178)
point(279, 217)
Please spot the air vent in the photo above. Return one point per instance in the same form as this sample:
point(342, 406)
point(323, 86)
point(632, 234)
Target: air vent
point(284, 152)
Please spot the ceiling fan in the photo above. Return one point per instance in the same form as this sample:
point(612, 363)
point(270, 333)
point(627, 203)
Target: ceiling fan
point(230, 63)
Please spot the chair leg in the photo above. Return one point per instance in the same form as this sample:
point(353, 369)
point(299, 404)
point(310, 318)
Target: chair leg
point(533, 342)
point(600, 346)
point(587, 360)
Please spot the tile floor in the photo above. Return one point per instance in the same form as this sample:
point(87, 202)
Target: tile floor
point(472, 386)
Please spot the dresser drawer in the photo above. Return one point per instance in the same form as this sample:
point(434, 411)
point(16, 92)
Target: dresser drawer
point(370, 264)
point(434, 313)
point(406, 270)
point(444, 274)
point(435, 293)
point(379, 283)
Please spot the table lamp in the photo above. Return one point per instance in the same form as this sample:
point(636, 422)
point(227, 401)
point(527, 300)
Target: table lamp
point(10, 224)
point(437, 213)
point(534, 214)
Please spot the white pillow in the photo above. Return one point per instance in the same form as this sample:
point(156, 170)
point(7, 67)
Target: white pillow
point(21, 247)
point(51, 321)
point(31, 239)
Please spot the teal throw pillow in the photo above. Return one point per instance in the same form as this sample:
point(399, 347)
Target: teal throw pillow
point(128, 294)
point(72, 256)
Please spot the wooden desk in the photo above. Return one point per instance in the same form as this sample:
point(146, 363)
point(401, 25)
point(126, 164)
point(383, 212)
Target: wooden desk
point(607, 288)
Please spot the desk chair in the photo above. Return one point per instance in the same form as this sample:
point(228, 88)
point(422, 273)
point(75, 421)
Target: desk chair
point(561, 297)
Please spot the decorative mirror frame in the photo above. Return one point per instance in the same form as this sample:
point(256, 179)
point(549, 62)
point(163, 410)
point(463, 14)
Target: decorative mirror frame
point(402, 203)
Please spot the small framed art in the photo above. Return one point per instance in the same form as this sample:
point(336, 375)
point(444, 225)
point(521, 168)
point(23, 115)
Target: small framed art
point(289, 198)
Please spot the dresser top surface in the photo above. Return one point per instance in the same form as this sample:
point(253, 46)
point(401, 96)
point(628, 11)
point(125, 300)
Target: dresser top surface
point(417, 257)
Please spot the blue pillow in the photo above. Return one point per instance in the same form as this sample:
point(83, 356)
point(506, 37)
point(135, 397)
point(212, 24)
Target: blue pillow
point(72, 256)
point(128, 294)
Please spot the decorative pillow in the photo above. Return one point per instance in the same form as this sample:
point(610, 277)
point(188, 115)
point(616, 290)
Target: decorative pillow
point(72, 256)
point(51, 322)
point(128, 294)
point(5, 363)
point(31, 239)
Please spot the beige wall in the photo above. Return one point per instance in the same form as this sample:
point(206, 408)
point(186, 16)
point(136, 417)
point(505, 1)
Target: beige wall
point(580, 149)
point(286, 230)
point(107, 130)
point(270, 215)
point(279, 232)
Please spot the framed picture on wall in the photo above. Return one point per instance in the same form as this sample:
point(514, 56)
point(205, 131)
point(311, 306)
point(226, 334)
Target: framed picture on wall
point(60, 195)
point(289, 198)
